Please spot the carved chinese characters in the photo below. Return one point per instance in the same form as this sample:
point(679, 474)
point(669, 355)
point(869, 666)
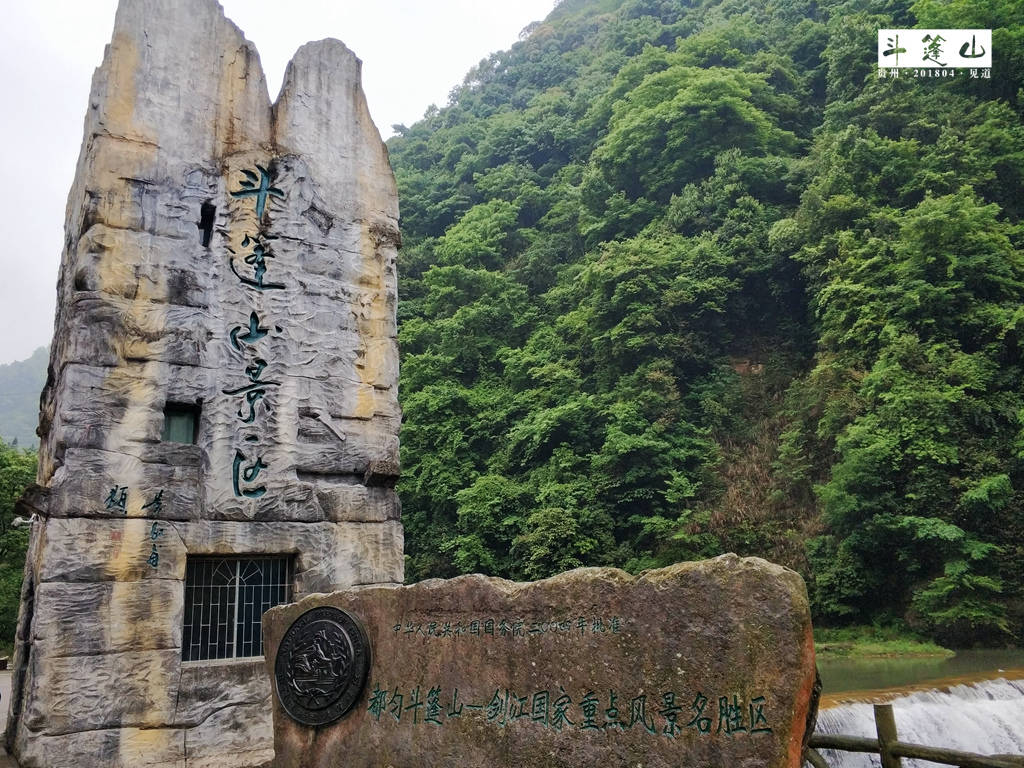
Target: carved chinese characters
point(699, 664)
point(250, 268)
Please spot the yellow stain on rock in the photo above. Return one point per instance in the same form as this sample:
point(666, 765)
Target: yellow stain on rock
point(144, 314)
point(139, 388)
point(238, 101)
point(128, 621)
point(147, 746)
point(125, 625)
point(371, 314)
point(365, 403)
point(127, 558)
point(137, 385)
point(119, 114)
point(118, 163)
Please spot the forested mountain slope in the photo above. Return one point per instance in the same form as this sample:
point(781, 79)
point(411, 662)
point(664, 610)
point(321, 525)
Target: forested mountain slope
point(687, 277)
point(20, 385)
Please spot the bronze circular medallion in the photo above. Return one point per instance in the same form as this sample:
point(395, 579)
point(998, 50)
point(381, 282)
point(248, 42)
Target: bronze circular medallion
point(321, 665)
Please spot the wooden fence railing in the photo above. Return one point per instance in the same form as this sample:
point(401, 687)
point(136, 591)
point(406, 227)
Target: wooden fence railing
point(892, 749)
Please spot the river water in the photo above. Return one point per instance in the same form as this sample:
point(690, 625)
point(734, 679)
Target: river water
point(973, 701)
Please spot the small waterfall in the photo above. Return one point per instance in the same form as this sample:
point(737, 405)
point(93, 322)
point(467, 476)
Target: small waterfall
point(986, 718)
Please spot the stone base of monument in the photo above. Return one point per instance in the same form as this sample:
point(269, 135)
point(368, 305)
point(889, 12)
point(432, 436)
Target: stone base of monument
point(700, 664)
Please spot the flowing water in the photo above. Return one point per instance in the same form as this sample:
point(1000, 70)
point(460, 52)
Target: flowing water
point(973, 702)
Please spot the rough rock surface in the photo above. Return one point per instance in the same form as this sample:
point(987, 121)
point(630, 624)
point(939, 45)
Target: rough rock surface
point(238, 257)
point(705, 664)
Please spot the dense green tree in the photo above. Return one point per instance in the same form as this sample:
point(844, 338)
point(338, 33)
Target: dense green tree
point(682, 278)
point(666, 133)
point(17, 472)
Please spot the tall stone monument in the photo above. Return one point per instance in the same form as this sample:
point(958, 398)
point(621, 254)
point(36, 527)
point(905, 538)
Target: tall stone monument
point(219, 430)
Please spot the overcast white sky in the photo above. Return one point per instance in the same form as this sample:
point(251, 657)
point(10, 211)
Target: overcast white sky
point(413, 52)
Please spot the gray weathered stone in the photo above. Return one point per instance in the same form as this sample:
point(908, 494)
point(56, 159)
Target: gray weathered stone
point(236, 733)
point(710, 663)
point(81, 693)
point(107, 617)
point(150, 747)
point(179, 118)
point(80, 550)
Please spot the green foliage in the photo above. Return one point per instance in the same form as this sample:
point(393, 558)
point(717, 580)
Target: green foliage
point(17, 472)
point(876, 640)
point(480, 238)
point(666, 133)
point(1006, 20)
point(685, 277)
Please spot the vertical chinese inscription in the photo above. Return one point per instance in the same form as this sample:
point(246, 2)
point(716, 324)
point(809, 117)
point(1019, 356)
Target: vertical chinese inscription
point(251, 265)
point(117, 500)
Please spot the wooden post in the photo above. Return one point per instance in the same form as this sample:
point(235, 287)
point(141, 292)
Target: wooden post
point(912, 752)
point(885, 727)
point(813, 757)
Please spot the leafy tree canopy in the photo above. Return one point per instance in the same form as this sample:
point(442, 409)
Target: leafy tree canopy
point(684, 278)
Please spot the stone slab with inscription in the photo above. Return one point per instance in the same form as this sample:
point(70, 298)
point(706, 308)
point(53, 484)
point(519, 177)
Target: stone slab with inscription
point(700, 664)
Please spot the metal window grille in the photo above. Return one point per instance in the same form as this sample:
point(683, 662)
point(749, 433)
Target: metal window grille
point(225, 598)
